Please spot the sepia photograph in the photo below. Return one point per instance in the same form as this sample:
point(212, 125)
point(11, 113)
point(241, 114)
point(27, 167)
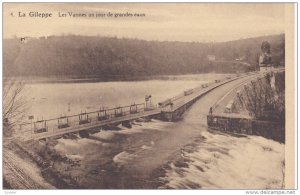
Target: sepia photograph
point(148, 96)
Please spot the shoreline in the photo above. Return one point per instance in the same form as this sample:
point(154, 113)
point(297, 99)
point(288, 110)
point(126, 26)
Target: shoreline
point(116, 78)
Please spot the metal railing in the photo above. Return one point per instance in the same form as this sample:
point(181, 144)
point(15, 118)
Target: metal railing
point(106, 116)
point(52, 125)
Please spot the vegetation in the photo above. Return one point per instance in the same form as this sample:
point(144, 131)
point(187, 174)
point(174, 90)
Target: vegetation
point(263, 99)
point(100, 57)
point(14, 105)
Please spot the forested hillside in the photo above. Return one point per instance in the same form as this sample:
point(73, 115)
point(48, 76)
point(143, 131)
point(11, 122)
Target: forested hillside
point(91, 56)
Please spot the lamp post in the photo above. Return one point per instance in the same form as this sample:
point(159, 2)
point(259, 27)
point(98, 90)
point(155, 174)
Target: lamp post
point(148, 99)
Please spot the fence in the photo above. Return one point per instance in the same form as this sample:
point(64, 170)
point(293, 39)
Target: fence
point(52, 125)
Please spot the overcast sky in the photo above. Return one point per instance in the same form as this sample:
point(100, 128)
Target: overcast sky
point(173, 21)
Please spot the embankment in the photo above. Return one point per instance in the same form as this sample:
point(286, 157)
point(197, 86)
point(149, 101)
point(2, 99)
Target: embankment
point(257, 109)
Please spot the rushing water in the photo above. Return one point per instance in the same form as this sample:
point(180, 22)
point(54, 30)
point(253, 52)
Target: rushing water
point(226, 162)
point(158, 154)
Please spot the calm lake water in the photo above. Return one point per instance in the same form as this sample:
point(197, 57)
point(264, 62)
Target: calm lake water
point(51, 100)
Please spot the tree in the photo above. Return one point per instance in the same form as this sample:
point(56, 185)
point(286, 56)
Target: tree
point(266, 47)
point(14, 105)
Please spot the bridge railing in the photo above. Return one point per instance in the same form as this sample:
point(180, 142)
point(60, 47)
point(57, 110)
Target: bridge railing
point(172, 103)
point(104, 115)
point(176, 102)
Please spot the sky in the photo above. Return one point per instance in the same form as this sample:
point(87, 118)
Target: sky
point(199, 22)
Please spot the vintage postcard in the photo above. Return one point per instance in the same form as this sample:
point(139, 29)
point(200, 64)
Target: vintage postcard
point(148, 96)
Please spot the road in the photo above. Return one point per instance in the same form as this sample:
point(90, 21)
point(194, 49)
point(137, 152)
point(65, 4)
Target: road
point(26, 132)
point(177, 136)
point(220, 105)
point(135, 158)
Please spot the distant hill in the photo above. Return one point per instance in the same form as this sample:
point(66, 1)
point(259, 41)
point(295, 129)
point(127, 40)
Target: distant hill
point(93, 56)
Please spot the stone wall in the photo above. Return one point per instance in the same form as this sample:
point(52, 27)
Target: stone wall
point(229, 124)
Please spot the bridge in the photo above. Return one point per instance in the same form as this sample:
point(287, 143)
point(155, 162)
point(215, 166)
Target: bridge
point(169, 110)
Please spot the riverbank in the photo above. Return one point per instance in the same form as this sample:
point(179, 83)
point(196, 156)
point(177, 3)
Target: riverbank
point(20, 171)
point(118, 78)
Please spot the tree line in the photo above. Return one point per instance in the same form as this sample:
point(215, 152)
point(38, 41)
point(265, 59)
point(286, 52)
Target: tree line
point(95, 56)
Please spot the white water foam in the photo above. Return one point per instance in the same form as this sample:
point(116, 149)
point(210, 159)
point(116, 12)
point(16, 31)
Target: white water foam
point(74, 156)
point(146, 147)
point(226, 162)
point(77, 148)
point(140, 127)
point(105, 135)
point(123, 158)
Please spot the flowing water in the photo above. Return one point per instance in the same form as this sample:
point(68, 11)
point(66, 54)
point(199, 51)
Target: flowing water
point(157, 154)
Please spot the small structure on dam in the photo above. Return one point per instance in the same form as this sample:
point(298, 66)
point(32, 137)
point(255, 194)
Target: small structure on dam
point(265, 59)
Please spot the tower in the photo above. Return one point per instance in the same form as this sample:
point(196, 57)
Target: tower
point(265, 58)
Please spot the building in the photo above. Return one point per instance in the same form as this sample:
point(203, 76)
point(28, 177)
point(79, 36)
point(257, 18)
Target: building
point(211, 58)
point(25, 40)
point(240, 59)
point(265, 62)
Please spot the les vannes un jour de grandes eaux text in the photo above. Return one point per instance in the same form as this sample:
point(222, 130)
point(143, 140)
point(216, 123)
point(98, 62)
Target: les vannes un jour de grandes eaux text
point(71, 14)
